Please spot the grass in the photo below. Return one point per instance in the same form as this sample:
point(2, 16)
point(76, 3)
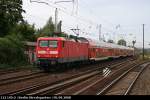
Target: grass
point(146, 57)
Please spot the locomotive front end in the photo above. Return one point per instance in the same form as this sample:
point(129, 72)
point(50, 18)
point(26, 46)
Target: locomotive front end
point(47, 51)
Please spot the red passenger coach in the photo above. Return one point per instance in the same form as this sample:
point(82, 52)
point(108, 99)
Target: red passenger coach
point(54, 50)
point(99, 50)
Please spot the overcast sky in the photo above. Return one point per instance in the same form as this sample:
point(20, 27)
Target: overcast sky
point(119, 18)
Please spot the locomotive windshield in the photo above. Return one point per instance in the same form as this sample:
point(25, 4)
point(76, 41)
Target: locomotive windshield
point(50, 43)
point(43, 44)
point(53, 44)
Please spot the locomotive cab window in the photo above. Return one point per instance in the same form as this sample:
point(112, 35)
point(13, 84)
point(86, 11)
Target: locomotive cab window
point(53, 44)
point(43, 43)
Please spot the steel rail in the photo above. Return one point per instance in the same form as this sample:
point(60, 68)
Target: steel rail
point(59, 86)
point(21, 78)
point(101, 92)
point(85, 89)
point(89, 86)
point(35, 87)
point(135, 79)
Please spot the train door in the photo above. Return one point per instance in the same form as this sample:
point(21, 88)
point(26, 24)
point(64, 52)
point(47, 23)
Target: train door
point(92, 52)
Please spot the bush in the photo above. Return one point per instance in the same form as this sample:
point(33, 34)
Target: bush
point(12, 51)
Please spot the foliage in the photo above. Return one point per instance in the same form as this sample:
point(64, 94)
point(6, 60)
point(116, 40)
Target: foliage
point(110, 41)
point(147, 51)
point(122, 42)
point(72, 36)
point(48, 29)
point(10, 14)
point(62, 34)
point(13, 31)
point(12, 50)
point(25, 30)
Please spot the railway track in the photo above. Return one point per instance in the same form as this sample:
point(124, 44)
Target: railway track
point(86, 86)
point(125, 82)
point(21, 78)
point(97, 87)
point(9, 78)
point(6, 71)
point(2, 72)
point(42, 89)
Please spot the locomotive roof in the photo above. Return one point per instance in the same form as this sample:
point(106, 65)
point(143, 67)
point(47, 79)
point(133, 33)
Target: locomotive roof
point(107, 45)
point(51, 38)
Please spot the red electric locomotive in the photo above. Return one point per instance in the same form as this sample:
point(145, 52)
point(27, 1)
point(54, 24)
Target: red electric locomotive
point(56, 50)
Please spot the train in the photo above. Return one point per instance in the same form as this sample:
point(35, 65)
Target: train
point(51, 51)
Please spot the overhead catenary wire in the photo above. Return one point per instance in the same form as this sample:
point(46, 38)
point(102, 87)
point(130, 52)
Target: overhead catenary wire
point(91, 10)
point(82, 19)
point(75, 16)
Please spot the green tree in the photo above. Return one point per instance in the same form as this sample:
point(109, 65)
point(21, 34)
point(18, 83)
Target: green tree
point(12, 51)
point(110, 41)
point(122, 42)
point(48, 29)
point(10, 14)
point(25, 30)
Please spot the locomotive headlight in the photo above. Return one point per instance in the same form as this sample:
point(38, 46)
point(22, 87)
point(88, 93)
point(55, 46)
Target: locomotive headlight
point(41, 52)
point(53, 52)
